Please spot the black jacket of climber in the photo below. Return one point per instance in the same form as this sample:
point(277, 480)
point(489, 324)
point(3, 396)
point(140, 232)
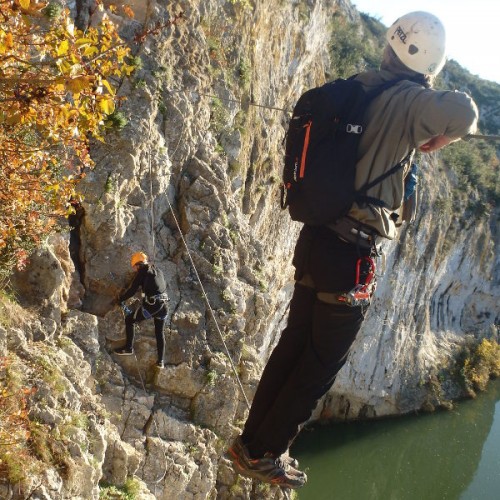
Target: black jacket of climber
point(150, 279)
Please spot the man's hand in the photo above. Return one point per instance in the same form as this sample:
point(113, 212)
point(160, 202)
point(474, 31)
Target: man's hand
point(438, 142)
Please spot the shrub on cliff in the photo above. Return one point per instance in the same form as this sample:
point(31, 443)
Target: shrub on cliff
point(56, 89)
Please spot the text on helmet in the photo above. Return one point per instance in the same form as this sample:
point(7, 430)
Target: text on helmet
point(400, 34)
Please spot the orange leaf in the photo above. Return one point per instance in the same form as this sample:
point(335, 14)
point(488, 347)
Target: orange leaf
point(128, 11)
point(9, 41)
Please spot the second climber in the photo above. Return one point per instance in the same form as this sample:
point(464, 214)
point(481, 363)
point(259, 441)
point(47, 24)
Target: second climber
point(154, 305)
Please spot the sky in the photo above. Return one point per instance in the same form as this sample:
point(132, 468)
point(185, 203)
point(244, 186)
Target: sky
point(472, 28)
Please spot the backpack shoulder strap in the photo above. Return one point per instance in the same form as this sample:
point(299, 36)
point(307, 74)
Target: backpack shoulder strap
point(375, 201)
point(361, 193)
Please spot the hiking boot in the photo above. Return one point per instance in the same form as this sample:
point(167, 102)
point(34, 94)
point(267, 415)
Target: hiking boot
point(268, 469)
point(123, 351)
point(238, 448)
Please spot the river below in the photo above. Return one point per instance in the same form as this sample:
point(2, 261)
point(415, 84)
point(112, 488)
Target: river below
point(446, 455)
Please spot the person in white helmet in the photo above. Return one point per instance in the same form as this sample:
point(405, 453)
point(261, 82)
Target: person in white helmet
point(321, 327)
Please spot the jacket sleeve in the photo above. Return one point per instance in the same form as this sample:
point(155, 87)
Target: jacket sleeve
point(450, 113)
point(134, 286)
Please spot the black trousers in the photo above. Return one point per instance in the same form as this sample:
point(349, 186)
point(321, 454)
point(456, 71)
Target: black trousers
point(159, 314)
point(312, 348)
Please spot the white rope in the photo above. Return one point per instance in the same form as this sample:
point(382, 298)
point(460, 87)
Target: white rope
point(240, 385)
point(212, 314)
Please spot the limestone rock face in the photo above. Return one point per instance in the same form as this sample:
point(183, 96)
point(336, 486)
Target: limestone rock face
point(193, 181)
point(42, 284)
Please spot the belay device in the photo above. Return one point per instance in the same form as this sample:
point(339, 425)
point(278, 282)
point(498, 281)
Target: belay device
point(321, 152)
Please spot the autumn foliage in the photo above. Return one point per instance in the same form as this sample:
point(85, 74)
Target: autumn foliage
point(57, 88)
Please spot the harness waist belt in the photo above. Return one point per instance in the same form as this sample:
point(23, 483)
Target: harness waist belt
point(328, 298)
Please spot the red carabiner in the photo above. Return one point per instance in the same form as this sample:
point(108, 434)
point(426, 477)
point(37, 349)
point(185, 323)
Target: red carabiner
point(371, 272)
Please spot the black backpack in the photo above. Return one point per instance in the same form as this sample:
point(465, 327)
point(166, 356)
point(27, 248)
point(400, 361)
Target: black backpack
point(154, 281)
point(321, 152)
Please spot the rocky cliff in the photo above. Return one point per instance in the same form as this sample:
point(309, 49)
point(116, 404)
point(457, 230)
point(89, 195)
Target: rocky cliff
point(194, 179)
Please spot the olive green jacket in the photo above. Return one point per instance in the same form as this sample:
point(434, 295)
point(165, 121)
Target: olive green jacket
point(403, 118)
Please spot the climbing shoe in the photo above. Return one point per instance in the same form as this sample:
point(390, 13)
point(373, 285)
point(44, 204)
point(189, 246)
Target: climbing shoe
point(160, 364)
point(268, 469)
point(123, 351)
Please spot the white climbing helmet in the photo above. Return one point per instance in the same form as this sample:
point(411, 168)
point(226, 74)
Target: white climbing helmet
point(418, 39)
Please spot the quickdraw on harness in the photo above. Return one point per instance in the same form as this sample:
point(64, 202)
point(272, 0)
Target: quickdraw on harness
point(126, 310)
point(365, 285)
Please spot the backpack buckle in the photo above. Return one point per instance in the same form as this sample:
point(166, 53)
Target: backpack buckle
point(354, 129)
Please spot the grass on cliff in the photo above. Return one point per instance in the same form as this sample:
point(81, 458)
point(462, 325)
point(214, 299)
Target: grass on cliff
point(476, 166)
point(15, 426)
point(478, 364)
point(27, 446)
point(11, 313)
point(129, 491)
point(471, 369)
point(14, 393)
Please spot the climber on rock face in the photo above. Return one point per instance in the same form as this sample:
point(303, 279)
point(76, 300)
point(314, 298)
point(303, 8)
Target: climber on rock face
point(327, 308)
point(152, 282)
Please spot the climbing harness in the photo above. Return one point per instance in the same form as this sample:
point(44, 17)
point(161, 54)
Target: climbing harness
point(161, 298)
point(365, 285)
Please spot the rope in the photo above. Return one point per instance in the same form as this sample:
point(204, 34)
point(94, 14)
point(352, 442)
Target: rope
point(157, 481)
point(275, 108)
point(228, 99)
point(212, 314)
point(481, 136)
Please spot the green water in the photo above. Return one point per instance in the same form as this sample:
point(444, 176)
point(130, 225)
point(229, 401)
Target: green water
point(441, 456)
